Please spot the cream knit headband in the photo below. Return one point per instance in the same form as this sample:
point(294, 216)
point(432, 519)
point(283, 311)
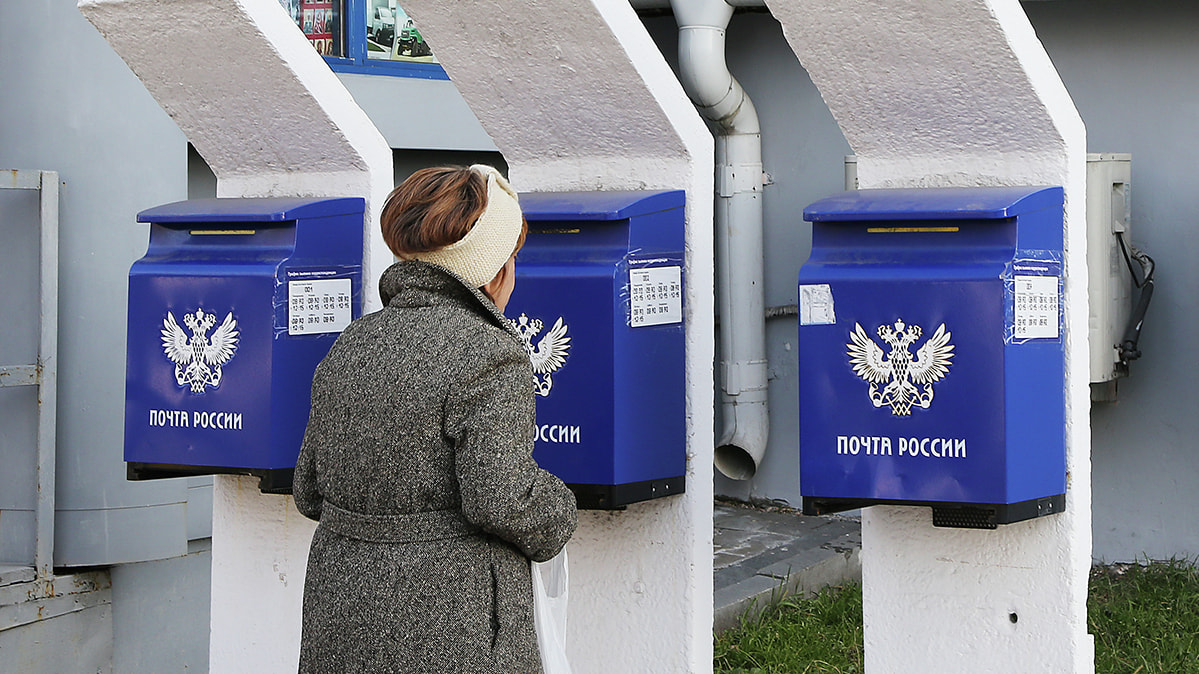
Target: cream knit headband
point(479, 255)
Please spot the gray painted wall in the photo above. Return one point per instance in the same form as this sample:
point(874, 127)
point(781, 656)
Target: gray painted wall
point(18, 346)
point(1130, 68)
point(417, 113)
point(72, 106)
point(74, 643)
point(160, 613)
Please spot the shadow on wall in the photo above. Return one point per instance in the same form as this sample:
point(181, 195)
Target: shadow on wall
point(201, 182)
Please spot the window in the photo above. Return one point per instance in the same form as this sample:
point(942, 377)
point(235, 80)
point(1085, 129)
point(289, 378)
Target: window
point(321, 22)
point(373, 37)
point(391, 35)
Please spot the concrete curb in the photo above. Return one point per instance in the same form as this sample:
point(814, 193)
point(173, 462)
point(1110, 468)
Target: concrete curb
point(749, 598)
point(764, 557)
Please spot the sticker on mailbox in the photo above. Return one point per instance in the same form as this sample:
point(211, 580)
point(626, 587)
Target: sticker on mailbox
point(318, 306)
point(1032, 291)
point(816, 305)
point(1036, 307)
point(900, 374)
point(551, 351)
point(656, 295)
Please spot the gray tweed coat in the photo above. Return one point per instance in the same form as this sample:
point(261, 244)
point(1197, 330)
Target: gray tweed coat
point(417, 462)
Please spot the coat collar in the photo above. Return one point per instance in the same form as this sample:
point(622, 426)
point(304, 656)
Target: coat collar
point(412, 283)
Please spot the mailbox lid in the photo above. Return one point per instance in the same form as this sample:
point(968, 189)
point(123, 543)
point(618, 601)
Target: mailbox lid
point(602, 227)
point(615, 205)
point(944, 203)
point(258, 232)
point(251, 209)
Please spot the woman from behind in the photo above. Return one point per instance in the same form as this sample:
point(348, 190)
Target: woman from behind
point(417, 459)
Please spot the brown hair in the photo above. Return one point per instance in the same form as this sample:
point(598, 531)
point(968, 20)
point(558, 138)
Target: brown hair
point(434, 208)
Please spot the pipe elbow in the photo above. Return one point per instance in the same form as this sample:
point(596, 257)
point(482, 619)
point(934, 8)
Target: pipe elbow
point(742, 447)
point(715, 13)
point(705, 77)
point(702, 69)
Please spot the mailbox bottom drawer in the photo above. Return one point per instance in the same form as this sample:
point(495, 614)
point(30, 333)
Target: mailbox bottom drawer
point(270, 480)
point(952, 515)
point(616, 496)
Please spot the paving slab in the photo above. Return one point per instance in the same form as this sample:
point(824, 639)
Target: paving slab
point(764, 554)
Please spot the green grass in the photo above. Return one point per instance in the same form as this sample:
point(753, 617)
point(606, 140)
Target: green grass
point(799, 636)
point(1145, 619)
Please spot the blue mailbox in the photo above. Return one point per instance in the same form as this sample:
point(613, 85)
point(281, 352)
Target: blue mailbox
point(230, 310)
point(931, 356)
point(599, 302)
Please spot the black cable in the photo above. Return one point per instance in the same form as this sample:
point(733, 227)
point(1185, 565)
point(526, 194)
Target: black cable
point(1132, 333)
point(1143, 259)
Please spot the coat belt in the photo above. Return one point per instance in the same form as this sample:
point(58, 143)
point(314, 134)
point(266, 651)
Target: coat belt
point(434, 525)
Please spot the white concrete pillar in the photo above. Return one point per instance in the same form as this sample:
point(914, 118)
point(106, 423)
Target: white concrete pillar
point(578, 97)
point(961, 93)
point(256, 100)
point(270, 118)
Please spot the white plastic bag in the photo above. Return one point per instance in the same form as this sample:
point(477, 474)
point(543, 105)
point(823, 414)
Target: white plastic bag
point(550, 580)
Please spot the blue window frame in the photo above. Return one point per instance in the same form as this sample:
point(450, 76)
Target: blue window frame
point(351, 17)
point(357, 59)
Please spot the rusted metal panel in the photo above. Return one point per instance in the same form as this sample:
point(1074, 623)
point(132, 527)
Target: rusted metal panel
point(18, 375)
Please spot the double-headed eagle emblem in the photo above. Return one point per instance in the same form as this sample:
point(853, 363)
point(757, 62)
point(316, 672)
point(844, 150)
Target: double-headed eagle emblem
point(899, 373)
point(198, 359)
point(550, 353)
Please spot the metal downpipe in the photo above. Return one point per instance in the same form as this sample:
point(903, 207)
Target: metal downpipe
point(738, 224)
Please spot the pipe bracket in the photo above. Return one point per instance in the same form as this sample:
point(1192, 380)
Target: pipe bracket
point(732, 180)
point(744, 376)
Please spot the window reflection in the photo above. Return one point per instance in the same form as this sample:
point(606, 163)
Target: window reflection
point(391, 35)
point(321, 22)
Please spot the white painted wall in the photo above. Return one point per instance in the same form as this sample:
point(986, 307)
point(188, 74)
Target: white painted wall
point(577, 97)
point(976, 102)
point(259, 553)
point(279, 123)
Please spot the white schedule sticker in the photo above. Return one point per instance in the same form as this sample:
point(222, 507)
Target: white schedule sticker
point(816, 305)
point(656, 295)
point(1035, 315)
point(318, 306)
